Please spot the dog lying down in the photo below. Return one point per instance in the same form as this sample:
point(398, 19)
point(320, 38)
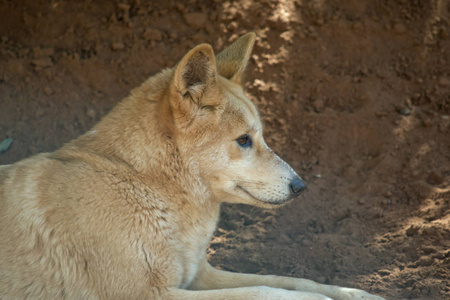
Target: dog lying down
point(126, 211)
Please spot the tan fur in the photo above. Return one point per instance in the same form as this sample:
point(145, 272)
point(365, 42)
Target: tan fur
point(126, 211)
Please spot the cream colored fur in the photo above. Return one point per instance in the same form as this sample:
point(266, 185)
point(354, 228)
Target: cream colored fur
point(126, 211)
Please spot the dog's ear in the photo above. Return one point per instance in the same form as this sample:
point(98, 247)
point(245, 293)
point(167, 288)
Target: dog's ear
point(194, 84)
point(232, 61)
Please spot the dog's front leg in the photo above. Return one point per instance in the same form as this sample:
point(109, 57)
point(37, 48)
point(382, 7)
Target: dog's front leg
point(241, 293)
point(209, 278)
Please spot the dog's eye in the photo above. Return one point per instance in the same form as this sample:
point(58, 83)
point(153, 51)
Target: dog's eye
point(244, 141)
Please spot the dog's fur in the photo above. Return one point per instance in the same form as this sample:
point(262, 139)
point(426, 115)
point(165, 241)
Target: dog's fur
point(126, 211)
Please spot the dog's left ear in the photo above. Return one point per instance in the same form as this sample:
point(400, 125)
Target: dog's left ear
point(194, 85)
point(233, 60)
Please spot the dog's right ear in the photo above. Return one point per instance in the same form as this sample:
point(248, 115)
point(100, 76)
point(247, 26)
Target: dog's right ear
point(194, 85)
point(233, 60)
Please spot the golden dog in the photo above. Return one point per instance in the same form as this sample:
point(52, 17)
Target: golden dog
point(126, 211)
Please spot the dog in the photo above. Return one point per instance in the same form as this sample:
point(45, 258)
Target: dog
point(127, 210)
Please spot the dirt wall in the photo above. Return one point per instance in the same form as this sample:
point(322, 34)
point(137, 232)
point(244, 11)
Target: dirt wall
point(355, 95)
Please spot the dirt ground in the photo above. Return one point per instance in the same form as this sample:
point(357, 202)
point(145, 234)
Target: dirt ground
point(355, 95)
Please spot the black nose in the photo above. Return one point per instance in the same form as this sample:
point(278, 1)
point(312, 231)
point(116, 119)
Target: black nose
point(297, 186)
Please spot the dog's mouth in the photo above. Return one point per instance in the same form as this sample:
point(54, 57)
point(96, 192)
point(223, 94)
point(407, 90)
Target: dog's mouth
point(274, 203)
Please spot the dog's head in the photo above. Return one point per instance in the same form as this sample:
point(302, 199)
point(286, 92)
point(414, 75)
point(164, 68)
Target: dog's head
point(219, 130)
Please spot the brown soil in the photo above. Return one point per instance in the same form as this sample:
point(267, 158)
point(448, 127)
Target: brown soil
point(355, 96)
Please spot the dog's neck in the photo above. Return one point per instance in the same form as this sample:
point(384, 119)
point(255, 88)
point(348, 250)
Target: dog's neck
point(129, 146)
point(130, 136)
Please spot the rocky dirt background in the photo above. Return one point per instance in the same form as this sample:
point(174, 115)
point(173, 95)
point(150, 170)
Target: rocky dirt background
point(355, 95)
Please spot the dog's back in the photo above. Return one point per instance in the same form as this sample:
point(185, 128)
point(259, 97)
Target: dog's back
point(24, 248)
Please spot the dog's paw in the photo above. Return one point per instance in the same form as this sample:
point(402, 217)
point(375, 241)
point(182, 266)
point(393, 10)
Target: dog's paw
point(355, 294)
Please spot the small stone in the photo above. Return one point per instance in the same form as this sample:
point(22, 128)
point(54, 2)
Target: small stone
point(364, 71)
point(443, 33)
point(424, 261)
point(428, 250)
point(318, 105)
point(5, 144)
point(43, 52)
point(321, 279)
point(444, 124)
point(319, 22)
point(278, 23)
point(232, 26)
point(152, 35)
point(399, 28)
point(405, 111)
point(39, 112)
point(117, 46)
point(90, 113)
point(427, 123)
point(357, 26)
point(42, 62)
point(412, 230)
point(123, 6)
point(48, 91)
point(313, 35)
point(307, 243)
point(435, 178)
point(408, 102)
point(180, 7)
point(270, 220)
point(195, 20)
point(23, 52)
point(444, 81)
point(112, 19)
